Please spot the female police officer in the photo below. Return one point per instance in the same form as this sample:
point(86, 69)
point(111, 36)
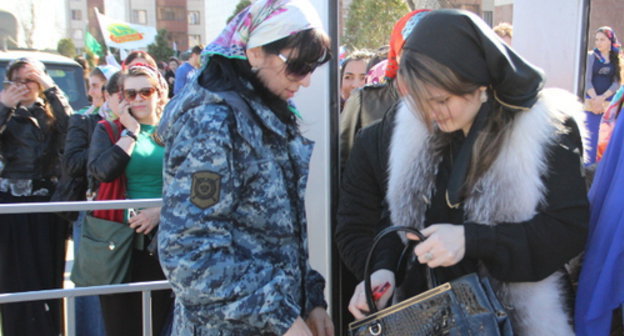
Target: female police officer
point(232, 237)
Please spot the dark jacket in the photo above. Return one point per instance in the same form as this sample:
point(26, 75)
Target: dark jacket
point(75, 181)
point(31, 145)
point(233, 240)
point(364, 107)
point(79, 134)
point(362, 207)
point(106, 161)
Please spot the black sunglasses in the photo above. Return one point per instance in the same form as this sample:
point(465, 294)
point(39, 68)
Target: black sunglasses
point(300, 69)
point(131, 94)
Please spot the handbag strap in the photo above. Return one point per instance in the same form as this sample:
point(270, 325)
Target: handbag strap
point(112, 129)
point(367, 267)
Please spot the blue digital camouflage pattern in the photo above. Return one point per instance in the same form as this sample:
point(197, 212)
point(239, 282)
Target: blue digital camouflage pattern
point(232, 237)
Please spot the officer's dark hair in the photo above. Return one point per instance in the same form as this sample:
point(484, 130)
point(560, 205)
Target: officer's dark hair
point(224, 74)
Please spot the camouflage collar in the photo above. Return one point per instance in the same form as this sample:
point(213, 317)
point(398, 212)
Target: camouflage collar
point(249, 112)
point(267, 117)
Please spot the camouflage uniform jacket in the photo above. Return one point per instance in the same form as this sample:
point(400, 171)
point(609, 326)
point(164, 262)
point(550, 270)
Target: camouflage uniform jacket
point(232, 237)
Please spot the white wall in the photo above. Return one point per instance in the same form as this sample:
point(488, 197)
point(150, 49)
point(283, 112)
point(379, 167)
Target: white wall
point(548, 34)
point(313, 103)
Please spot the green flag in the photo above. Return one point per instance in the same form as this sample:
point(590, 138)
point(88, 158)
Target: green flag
point(93, 45)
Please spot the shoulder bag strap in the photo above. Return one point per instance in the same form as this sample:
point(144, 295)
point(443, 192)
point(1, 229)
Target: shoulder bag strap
point(112, 129)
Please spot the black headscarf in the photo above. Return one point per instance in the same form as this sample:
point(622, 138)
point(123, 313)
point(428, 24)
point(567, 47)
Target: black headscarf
point(463, 42)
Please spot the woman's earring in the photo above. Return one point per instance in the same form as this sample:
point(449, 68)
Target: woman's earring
point(484, 96)
point(255, 69)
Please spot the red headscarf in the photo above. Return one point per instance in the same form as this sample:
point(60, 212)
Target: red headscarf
point(400, 32)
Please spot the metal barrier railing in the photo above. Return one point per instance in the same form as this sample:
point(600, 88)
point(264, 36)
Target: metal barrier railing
point(14, 208)
point(145, 288)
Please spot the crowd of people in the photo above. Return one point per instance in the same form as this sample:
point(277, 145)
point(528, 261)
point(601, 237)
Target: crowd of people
point(458, 139)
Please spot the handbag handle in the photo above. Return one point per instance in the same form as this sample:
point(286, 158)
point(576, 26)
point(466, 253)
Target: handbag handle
point(367, 267)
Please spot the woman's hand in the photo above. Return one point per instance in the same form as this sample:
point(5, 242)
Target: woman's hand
point(299, 328)
point(127, 119)
point(42, 78)
point(445, 245)
point(145, 221)
point(13, 94)
point(599, 104)
point(319, 322)
point(358, 305)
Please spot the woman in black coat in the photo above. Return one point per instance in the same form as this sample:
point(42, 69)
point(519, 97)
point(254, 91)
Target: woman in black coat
point(33, 122)
point(486, 164)
point(79, 133)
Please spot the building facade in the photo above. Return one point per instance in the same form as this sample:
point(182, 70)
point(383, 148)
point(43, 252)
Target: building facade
point(503, 11)
point(188, 22)
point(77, 21)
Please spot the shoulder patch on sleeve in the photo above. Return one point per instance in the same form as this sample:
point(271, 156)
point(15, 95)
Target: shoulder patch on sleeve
point(205, 189)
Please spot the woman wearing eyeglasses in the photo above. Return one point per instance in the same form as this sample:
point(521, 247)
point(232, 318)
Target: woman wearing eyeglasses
point(33, 122)
point(137, 155)
point(232, 237)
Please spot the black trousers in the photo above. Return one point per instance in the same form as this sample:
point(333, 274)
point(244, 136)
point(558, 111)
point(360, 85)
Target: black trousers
point(123, 312)
point(32, 257)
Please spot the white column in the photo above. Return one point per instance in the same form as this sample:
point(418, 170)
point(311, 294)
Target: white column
point(548, 34)
point(314, 104)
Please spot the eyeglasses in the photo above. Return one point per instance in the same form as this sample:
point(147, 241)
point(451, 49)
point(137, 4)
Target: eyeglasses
point(25, 81)
point(130, 94)
point(299, 69)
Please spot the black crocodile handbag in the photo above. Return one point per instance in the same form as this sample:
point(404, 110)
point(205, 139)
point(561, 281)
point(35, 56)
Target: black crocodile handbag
point(464, 306)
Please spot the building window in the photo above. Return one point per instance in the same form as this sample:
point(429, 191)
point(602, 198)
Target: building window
point(194, 40)
point(77, 35)
point(488, 17)
point(171, 13)
point(139, 16)
point(76, 14)
point(193, 17)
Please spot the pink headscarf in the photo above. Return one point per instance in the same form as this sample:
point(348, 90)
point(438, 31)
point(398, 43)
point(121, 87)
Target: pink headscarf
point(376, 75)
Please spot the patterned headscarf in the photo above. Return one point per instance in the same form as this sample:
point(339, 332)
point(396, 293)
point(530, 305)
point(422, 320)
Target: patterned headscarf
point(400, 32)
point(263, 22)
point(615, 44)
point(376, 74)
point(607, 122)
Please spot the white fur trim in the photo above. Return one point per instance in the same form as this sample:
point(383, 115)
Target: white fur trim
point(499, 195)
point(538, 307)
point(412, 168)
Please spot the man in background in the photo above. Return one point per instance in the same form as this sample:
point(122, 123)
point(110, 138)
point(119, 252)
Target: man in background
point(187, 70)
